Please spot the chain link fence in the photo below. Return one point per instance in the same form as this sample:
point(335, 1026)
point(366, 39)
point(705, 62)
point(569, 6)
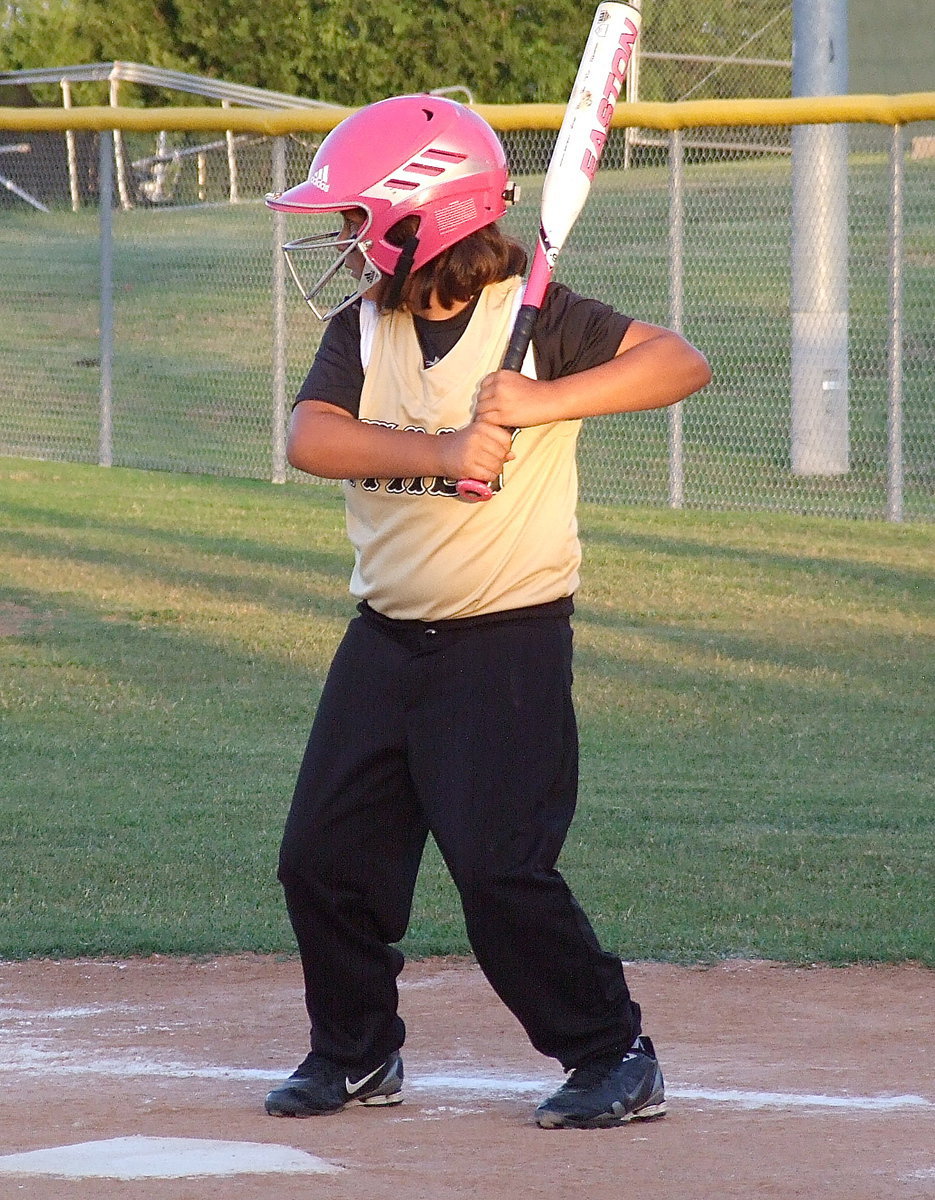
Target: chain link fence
point(158, 331)
point(741, 49)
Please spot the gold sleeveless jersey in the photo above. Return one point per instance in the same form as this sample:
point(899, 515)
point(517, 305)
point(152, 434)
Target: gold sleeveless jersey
point(422, 553)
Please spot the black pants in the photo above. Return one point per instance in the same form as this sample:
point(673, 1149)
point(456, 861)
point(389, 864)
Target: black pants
point(464, 729)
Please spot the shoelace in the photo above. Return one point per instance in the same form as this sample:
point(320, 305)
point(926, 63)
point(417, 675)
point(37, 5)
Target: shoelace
point(313, 1066)
point(592, 1073)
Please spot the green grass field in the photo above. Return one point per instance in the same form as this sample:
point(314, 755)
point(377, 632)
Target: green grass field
point(755, 695)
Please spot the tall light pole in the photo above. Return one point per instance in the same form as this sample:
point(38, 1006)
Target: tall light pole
point(820, 443)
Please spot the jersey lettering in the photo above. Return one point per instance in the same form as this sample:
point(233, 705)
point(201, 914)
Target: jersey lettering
point(400, 486)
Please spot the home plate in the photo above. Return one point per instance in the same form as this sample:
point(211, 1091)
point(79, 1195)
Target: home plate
point(163, 1158)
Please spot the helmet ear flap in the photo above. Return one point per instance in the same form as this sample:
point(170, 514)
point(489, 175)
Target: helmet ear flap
point(403, 267)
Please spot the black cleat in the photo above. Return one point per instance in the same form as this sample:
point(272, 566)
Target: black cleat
point(608, 1092)
point(319, 1085)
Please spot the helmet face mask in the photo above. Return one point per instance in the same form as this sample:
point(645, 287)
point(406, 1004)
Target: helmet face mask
point(422, 156)
point(330, 259)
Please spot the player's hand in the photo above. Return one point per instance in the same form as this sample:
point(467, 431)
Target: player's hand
point(478, 451)
point(512, 400)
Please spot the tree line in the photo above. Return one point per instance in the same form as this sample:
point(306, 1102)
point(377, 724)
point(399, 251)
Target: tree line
point(350, 53)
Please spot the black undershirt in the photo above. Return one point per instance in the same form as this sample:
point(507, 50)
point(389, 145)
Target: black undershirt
point(436, 338)
point(572, 334)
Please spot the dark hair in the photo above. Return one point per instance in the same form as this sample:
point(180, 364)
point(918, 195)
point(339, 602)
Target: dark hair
point(461, 271)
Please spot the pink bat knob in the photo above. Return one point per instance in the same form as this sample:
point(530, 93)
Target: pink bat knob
point(473, 490)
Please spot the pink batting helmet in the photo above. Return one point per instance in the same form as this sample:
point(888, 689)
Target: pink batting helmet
point(410, 155)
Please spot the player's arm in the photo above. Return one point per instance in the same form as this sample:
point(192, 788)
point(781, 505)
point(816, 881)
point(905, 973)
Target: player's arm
point(653, 367)
point(328, 441)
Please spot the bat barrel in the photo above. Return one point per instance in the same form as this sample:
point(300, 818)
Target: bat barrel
point(575, 158)
point(583, 135)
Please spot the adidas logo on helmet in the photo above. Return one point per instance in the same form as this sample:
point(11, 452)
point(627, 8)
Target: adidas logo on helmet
point(320, 178)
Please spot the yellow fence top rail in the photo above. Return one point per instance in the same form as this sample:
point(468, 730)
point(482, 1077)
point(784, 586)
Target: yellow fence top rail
point(816, 110)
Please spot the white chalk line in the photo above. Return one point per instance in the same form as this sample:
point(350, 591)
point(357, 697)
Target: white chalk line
point(738, 1097)
point(27, 1060)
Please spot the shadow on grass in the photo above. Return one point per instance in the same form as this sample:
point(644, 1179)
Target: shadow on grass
point(829, 570)
point(155, 562)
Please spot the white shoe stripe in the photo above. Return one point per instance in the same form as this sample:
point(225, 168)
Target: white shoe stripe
point(353, 1088)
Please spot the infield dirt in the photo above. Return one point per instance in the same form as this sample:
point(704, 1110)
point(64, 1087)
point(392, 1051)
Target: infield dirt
point(783, 1082)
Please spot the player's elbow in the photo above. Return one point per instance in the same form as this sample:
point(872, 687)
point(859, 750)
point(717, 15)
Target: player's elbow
point(297, 450)
point(311, 440)
point(700, 370)
point(305, 455)
point(688, 366)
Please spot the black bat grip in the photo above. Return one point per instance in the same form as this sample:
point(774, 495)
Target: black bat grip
point(520, 337)
point(477, 489)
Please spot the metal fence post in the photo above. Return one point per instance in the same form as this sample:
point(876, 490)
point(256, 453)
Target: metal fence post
point(676, 307)
point(106, 202)
point(233, 179)
point(116, 138)
point(279, 415)
point(894, 421)
point(820, 419)
point(72, 151)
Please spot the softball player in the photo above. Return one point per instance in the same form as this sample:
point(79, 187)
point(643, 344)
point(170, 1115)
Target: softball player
point(448, 706)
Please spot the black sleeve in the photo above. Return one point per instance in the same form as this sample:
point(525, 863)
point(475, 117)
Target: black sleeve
point(336, 376)
point(574, 333)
